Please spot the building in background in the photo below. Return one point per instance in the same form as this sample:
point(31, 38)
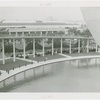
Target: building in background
point(38, 26)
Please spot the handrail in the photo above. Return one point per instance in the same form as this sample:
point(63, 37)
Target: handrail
point(44, 63)
point(48, 62)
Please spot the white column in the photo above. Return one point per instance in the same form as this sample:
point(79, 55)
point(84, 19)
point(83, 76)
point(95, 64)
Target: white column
point(96, 63)
point(87, 46)
point(61, 46)
point(3, 51)
point(79, 46)
point(33, 47)
point(9, 35)
point(22, 41)
point(14, 55)
point(96, 48)
point(70, 46)
point(52, 47)
point(41, 33)
point(52, 32)
point(78, 63)
point(16, 34)
point(24, 44)
point(43, 46)
point(28, 33)
point(22, 33)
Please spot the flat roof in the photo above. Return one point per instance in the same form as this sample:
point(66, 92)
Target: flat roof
point(43, 37)
point(35, 29)
point(35, 23)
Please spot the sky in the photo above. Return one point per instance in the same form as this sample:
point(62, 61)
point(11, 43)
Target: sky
point(40, 13)
point(92, 18)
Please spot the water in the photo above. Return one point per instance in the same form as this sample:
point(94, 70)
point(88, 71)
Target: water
point(66, 77)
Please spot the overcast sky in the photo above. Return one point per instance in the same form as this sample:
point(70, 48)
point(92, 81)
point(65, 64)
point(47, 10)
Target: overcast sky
point(40, 13)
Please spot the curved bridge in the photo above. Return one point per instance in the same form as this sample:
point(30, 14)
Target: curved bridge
point(32, 67)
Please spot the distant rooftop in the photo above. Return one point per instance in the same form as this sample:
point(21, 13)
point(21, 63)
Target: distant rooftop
point(35, 23)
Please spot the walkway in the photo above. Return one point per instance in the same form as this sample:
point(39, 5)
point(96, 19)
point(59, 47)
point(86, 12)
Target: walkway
point(23, 68)
point(6, 58)
point(64, 55)
point(26, 60)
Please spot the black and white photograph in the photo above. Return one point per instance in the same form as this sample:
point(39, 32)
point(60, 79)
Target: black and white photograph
point(51, 49)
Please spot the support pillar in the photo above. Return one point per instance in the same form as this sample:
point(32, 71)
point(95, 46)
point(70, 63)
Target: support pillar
point(96, 48)
point(52, 47)
point(24, 44)
point(61, 46)
point(41, 33)
point(34, 48)
point(24, 75)
point(43, 46)
point(9, 35)
point(79, 46)
point(34, 72)
point(22, 33)
point(3, 51)
point(28, 33)
point(78, 63)
point(14, 78)
point(43, 70)
point(96, 62)
point(87, 46)
point(16, 34)
point(70, 46)
point(14, 55)
point(4, 83)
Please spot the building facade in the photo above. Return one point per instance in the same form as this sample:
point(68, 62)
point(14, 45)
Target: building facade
point(37, 28)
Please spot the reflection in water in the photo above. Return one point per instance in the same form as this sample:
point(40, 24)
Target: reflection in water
point(66, 77)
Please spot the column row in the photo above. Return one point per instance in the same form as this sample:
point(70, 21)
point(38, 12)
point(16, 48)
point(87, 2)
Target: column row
point(41, 33)
point(43, 49)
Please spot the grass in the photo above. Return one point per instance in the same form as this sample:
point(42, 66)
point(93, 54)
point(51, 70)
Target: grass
point(18, 63)
point(49, 57)
point(9, 65)
point(84, 54)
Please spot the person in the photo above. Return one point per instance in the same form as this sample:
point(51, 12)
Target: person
point(8, 71)
point(13, 68)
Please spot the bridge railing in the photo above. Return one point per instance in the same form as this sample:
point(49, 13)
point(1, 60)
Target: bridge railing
point(24, 74)
point(38, 70)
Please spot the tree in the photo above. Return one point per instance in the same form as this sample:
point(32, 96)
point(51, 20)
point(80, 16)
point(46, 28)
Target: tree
point(86, 33)
point(30, 45)
point(56, 43)
point(8, 48)
point(74, 31)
